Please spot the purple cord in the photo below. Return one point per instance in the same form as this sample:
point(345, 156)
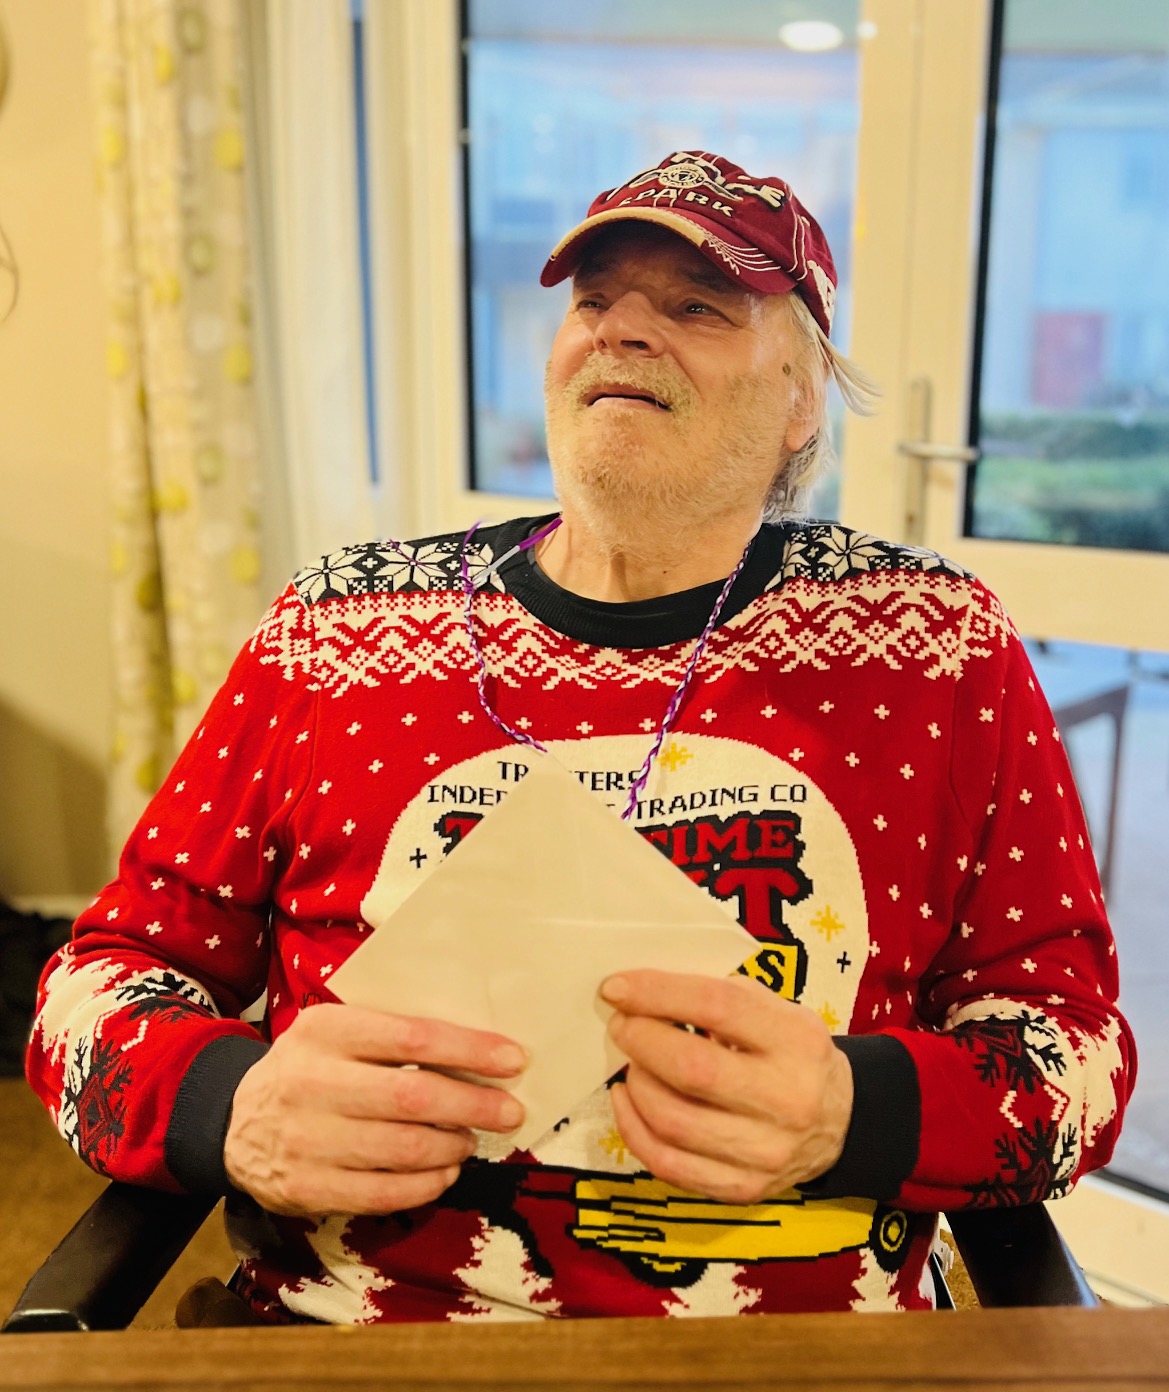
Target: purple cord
point(638, 786)
point(672, 709)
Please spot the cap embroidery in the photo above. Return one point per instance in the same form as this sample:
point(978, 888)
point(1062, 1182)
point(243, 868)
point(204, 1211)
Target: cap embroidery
point(741, 259)
point(688, 174)
point(826, 288)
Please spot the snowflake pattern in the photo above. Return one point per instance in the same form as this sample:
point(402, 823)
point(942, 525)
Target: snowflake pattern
point(379, 567)
point(164, 996)
point(1021, 1051)
point(825, 551)
point(1037, 1163)
point(93, 1103)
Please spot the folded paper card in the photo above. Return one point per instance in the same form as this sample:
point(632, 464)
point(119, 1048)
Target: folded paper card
point(516, 929)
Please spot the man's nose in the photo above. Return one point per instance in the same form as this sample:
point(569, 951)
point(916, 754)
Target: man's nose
point(630, 327)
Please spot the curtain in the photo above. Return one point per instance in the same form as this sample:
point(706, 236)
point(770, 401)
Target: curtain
point(167, 78)
point(310, 338)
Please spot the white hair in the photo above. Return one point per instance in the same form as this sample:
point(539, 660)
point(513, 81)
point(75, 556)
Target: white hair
point(815, 360)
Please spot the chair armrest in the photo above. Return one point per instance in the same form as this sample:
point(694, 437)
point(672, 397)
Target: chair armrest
point(1015, 1256)
point(101, 1274)
point(104, 1270)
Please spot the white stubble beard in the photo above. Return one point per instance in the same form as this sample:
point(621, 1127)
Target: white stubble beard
point(643, 483)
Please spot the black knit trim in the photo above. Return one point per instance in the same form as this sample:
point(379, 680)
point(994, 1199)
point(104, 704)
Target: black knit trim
point(884, 1136)
point(644, 623)
point(193, 1148)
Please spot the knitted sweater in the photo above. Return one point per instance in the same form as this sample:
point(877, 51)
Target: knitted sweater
point(864, 772)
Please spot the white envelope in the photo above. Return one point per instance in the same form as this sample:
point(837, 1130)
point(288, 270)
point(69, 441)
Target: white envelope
point(516, 929)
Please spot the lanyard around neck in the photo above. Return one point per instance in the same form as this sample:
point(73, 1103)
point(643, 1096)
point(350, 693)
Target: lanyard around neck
point(519, 736)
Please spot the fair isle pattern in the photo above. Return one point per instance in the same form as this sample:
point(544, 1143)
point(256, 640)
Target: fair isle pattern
point(357, 643)
point(825, 551)
point(813, 551)
point(1031, 1050)
point(914, 621)
point(97, 1072)
point(378, 567)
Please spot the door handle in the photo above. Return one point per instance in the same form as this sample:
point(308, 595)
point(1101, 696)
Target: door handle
point(927, 449)
point(919, 451)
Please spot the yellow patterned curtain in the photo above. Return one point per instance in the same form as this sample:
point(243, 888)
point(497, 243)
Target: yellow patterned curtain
point(186, 560)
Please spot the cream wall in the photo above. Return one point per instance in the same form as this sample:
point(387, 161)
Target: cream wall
point(54, 604)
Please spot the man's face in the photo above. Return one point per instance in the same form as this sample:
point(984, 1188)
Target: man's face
point(668, 385)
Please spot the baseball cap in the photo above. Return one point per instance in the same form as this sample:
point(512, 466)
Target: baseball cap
point(754, 230)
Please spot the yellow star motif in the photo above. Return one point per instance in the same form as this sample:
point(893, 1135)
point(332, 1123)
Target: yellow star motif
point(613, 1143)
point(828, 1015)
point(673, 757)
point(828, 923)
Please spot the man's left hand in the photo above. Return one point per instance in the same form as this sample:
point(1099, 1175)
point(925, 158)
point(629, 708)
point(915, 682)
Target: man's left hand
point(758, 1100)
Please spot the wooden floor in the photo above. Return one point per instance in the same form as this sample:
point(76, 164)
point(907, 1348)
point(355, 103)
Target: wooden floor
point(44, 1189)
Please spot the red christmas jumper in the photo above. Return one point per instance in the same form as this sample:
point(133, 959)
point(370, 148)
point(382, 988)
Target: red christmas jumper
point(864, 773)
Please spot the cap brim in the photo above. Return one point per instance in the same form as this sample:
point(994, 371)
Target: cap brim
point(739, 261)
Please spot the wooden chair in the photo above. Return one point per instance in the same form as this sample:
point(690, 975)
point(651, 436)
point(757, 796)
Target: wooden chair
point(102, 1272)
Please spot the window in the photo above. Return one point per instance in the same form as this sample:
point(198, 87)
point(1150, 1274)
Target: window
point(1074, 413)
point(563, 101)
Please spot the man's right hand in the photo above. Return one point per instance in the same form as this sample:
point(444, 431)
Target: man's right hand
point(330, 1121)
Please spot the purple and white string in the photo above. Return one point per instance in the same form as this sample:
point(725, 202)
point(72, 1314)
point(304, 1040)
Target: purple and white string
point(638, 786)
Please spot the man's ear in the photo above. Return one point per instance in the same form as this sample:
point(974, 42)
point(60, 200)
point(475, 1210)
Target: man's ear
point(807, 374)
point(800, 430)
point(807, 413)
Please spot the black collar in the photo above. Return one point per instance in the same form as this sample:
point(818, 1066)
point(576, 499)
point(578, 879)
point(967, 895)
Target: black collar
point(643, 623)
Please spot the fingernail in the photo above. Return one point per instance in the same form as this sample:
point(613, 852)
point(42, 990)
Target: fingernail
point(615, 990)
point(511, 1113)
point(511, 1057)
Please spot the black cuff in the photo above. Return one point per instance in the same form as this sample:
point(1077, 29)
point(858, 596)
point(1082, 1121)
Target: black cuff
point(881, 1147)
point(193, 1148)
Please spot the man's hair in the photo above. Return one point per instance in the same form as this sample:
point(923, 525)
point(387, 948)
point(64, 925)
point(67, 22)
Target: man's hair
point(815, 359)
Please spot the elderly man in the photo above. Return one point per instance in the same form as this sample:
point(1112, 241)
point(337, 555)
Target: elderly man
point(838, 738)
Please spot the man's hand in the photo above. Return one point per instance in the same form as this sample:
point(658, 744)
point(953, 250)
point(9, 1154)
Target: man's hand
point(329, 1121)
point(759, 1104)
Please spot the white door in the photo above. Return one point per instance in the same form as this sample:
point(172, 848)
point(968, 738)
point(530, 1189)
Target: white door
point(919, 215)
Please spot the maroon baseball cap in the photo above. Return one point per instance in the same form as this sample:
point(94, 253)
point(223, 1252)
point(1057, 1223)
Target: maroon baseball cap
point(754, 230)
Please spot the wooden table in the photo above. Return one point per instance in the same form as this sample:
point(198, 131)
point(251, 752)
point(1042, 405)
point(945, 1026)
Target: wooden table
point(975, 1351)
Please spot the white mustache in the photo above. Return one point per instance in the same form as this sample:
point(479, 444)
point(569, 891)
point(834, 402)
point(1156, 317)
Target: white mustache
point(648, 379)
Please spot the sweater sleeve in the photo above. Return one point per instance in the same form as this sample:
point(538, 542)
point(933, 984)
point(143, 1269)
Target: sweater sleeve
point(137, 1041)
point(1016, 1081)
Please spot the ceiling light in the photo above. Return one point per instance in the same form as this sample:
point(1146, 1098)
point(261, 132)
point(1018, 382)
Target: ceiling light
point(811, 35)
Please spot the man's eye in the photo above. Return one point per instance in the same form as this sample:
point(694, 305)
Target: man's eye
point(588, 302)
point(699, 308)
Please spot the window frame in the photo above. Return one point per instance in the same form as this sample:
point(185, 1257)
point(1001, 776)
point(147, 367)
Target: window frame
point(416, 139)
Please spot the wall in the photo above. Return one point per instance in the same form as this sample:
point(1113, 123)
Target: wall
point(55, 663)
